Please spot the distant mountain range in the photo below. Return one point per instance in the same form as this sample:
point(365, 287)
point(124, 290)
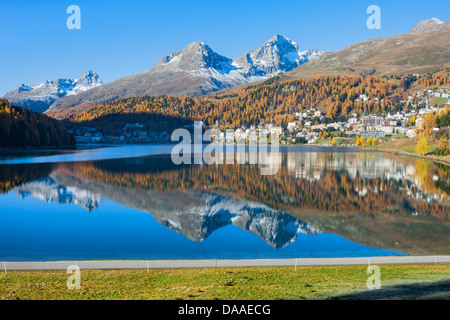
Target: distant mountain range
point(196, 70)
point(39, 97)
point(192, 71)
point(425, 48)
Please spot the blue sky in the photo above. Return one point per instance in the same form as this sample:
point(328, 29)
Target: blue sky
point(120, 38)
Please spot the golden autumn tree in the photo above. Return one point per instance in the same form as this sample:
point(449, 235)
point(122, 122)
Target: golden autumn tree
point(374, 142)
point(430, 123)
point(443, 143)
point(422, 144)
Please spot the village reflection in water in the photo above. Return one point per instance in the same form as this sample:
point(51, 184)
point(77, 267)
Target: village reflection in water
point(375, 199)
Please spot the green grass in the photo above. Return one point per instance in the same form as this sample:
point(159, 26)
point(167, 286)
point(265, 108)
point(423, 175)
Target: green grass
point(411, 149)
point(404, 149)
point(439, 101)
point(227, 283)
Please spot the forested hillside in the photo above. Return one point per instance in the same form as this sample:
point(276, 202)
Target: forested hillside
point(276, 102)
point(24, 128)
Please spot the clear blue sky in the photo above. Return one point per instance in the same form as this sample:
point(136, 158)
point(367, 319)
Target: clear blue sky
point(120, 38)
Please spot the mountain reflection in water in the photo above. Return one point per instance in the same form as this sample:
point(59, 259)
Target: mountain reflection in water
point(195, 214)
point(378, 200)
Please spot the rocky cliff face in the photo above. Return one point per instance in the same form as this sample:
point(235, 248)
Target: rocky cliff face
point(276, 56)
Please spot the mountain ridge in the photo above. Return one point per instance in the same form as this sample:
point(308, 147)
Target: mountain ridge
point(427, 25)
point(40, 96)
point(425, 48)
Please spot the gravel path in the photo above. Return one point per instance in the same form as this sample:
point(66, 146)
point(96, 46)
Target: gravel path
point(152, 264)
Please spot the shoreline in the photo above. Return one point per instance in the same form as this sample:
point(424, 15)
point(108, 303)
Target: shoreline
point(83, 147)
point(219, 263)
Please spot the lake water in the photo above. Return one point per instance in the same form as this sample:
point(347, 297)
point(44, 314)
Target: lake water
point(133, 202)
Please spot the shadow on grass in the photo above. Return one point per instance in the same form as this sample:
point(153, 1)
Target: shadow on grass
point(433, 290)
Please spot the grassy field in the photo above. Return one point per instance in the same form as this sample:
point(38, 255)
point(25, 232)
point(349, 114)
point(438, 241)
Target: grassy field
point(438, 101)
point(410, 149)
point(420, 281)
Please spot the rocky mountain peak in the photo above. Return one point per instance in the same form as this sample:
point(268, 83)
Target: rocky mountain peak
point(40, 96)
point(277, 55)
point(195, 70)
point(279, 38)
point(194, 57)
point(90, 79)
point(432, 24)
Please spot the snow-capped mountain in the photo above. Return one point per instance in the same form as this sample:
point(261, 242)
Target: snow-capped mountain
point(211, 71)
point(196, 70)
point(40, 96)
point(278, 55)
point(429, 25)
point(200, 69)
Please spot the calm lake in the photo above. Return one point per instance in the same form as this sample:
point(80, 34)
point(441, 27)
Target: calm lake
point(133, 202)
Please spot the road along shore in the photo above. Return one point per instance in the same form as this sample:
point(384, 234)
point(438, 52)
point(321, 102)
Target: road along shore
point(218, 263)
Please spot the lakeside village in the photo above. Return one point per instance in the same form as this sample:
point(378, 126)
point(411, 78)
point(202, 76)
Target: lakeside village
point(310, 127)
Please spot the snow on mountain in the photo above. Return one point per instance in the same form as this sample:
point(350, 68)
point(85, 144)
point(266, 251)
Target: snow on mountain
point(432, 24)
point(40, 96)
point(278, 55)
point(199, 65)
point(196, 70)
point(215, 72)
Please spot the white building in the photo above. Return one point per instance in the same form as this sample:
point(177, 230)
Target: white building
point(292, 125)
point(352, 121)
